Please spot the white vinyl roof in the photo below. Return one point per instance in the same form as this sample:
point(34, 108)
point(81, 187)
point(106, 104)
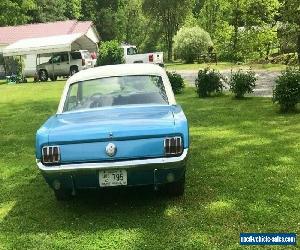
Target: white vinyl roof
point(50, 44)
point(118, 70)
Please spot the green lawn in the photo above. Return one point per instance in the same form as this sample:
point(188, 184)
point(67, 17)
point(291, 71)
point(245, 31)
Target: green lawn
point(243, 176)
point(225, 66)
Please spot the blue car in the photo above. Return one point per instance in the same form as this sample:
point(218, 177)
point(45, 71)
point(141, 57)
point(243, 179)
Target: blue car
point(115, 126)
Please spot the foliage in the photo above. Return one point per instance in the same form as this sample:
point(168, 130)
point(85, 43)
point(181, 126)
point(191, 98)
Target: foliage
point(242, 82)
point(287, 37)
point(108, 17)
point(73, 9)
point(14, 68)
point(49, 10)
point(110, 53)
point(190, 42)
point(14, 65)
point(240, 30)
point(20, 66)
point(226, 66)
point(290, 13)
point(287, 59)
point(176, 81)
point(15, 12)
point(134, 23)
point(170, 15)
point(208, 82)
point(287, 90)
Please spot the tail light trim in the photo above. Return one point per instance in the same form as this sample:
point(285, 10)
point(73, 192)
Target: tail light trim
point(51, 154)
point(173, 146)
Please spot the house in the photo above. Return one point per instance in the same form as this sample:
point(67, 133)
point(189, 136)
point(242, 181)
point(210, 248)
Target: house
point(12, 34)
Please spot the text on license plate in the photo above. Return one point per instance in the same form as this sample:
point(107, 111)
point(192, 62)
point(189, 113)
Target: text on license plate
point(110, 178)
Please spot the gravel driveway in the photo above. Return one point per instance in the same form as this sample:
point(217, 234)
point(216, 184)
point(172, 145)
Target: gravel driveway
point(264, 84)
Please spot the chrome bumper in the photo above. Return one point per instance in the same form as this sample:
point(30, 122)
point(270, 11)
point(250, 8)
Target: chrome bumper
point(158, 162)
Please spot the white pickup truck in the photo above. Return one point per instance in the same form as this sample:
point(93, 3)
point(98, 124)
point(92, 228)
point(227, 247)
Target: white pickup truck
point(131, 56)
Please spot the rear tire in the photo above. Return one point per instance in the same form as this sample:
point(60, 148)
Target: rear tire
point(43, 75)
point(62, 195)
point(176, 189)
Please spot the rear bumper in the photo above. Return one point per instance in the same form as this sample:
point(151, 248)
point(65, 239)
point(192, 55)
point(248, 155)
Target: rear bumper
point(140, 164)
point(139, 172)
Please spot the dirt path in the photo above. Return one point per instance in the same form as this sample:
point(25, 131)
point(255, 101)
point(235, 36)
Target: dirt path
point(264, 84)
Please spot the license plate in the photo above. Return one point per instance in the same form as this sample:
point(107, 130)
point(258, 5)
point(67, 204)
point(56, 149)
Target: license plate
point(111, 178)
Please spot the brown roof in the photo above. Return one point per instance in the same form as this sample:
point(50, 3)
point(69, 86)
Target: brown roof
point(11, 34)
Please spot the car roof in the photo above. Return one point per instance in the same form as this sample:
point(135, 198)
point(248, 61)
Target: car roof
point(117, 70)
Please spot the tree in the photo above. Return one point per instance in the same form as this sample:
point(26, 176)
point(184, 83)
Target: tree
point(73, 9)
point(110, 53)
point(290, 13)
point(214, 17)
point(190, 42)
point(49, 10)
point(170, 14)
point(15, 12)
point(235, 24)
point(107, 16)
point(135, 22)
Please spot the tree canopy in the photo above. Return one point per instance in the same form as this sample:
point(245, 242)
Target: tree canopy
point(240, 29)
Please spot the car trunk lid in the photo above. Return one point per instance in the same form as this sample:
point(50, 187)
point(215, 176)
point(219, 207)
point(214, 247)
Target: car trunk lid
point(137, 132)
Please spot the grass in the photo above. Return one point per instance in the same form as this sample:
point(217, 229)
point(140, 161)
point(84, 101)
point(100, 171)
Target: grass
point(243, 176)
point(225, 66)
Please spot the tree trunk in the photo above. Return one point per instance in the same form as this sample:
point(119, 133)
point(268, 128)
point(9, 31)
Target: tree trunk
point(170, 49)
point(298, 46)
point(236, 28)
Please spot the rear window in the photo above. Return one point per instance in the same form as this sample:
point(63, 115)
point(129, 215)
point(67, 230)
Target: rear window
point(86, 55)
point(116, 91)
point(131, 51)
point(76, 55)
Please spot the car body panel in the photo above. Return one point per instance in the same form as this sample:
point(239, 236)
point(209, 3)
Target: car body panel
point(137, 131)
point(136, 125)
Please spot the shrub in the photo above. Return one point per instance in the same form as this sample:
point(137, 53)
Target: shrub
point(287, 90)
point(176, 81)
point(189, 43)
point(208, 82)
point(14, 68)
point(242, 82)
point(110, 53)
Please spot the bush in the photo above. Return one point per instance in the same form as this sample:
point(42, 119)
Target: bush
point(176, 81)
point(287, 90)
point(189, 43)
point(242, 82)
point(208, 82)
point(14, 68)
point(110, 53)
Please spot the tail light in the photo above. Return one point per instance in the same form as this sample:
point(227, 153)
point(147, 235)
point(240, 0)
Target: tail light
point(51, 154)
point(83, 62)
point(173, 146)
point(151, 58)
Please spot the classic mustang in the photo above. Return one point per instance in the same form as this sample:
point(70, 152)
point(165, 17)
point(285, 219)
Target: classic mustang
point(115, 126)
